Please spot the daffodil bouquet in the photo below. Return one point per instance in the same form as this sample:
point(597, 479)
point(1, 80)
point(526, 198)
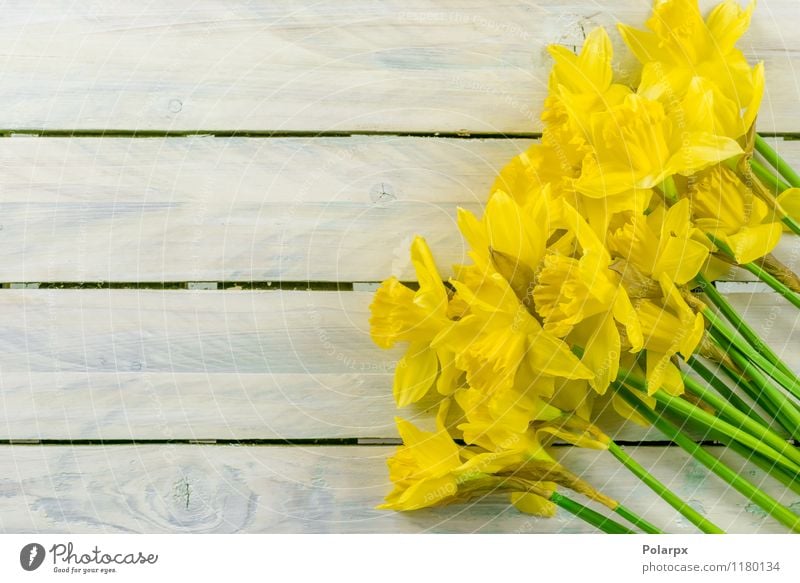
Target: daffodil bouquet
point(590, 285)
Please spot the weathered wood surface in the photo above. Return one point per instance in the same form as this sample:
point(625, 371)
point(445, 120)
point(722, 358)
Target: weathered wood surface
point(212, 209)
point(149, 364)
point(402, 65)
point(221, 489)
point(179, 365)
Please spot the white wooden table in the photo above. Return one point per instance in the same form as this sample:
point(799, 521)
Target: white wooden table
point(194, 197)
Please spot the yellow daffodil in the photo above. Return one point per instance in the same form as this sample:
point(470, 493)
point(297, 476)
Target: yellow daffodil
point(499, 421)
point(635, 145)
point(582, 297)
point(399, 314)
point(681, 46)
point(428, 471)
point(583, 83)
point(669, 327)
point(727, 209)
point(499, 343)
point(662, 242)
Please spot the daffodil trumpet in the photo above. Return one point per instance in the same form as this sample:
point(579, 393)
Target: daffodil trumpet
point(767, 503)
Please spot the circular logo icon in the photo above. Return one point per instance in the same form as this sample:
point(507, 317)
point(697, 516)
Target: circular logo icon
point(31, 556)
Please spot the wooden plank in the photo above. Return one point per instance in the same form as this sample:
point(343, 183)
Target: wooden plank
point(223, 489)
point(127, 364)
point(342, 209)
point(203, 209)
point(403, 65)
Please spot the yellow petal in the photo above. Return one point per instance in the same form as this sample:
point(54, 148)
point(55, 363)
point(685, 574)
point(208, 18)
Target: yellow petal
point(643, 44)
point(701, 150)
point(600, 340)
point(727, 22)
point(423, 494)
point(432, 294)
point(680, 259)
point(415, 374)
point(752, 243)
point(449, 375)
point(755, 100)
point(789, 201)
point(435, 453)
point(625, 314)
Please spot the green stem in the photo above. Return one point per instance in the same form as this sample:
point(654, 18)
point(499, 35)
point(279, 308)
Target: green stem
point(770, 180)
point(739, 419)
point(782, 289)
point(686, 410)
point(728, 341)
point(637, 520)
point(774, 159)
point(746, 386)
point(724, 390)
point(741, 326)
point(793, 225)
point(665, 493)
point(791, 481)
point(669, 190)
point(588, 515)
point(766, 502)
point(786, 412)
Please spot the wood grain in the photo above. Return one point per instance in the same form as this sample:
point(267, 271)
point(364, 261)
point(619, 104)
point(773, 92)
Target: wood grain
point(410, 65)
point(211, 209)
point(147, 364)
point(221, 489)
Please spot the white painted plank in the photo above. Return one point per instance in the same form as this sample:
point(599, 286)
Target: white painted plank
point(153, 331)
point(128, 364)
point(225, 489)
point(402, 65)
point(203, 209)
point(200, 209)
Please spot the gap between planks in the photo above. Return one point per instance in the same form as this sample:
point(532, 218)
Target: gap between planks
point(320, 442)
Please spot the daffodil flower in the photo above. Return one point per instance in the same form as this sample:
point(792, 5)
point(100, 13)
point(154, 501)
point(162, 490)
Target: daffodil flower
point(663, 242)
point(669, 327)
point(399, 314)
point(582, 299)
point(499, 343)
point(430, 469)
point(681, 46)
point(635, 145)
point(583, 85)
point(727, 209)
